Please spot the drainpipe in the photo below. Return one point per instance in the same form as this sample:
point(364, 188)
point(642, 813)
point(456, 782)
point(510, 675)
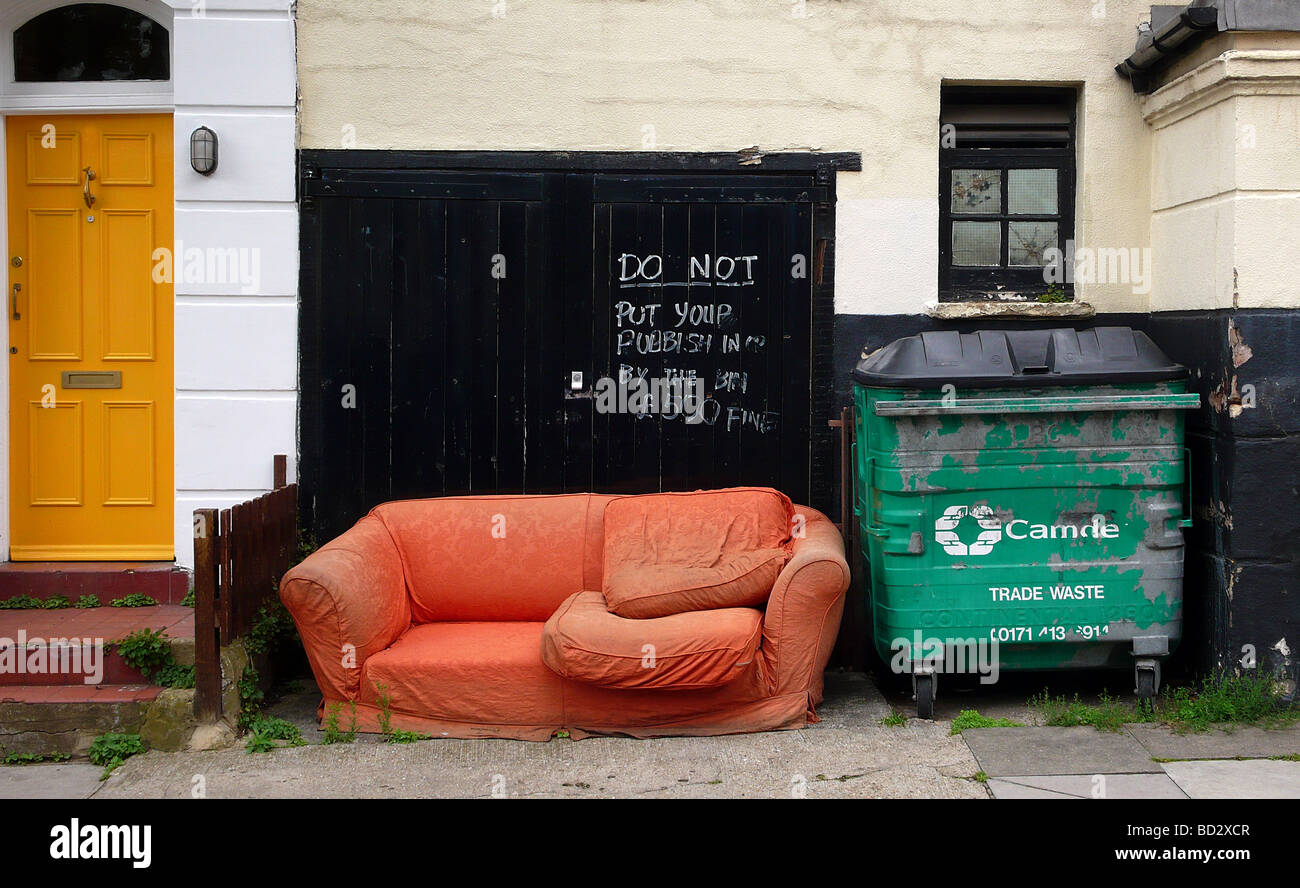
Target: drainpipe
point(1156, 49)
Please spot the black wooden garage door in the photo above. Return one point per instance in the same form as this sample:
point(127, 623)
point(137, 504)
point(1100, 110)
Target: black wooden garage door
point(446, 316)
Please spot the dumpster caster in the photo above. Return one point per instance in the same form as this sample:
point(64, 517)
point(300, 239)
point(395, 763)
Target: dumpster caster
point(924, 684)
point(1147, 674)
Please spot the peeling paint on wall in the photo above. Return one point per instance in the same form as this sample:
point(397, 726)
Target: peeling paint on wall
point(1241, 352)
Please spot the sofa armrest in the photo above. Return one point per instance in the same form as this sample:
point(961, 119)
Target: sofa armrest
point(349, 601)
point(803, 613)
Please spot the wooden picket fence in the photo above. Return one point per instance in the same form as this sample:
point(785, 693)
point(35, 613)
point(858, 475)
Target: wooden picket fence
point(240, 554)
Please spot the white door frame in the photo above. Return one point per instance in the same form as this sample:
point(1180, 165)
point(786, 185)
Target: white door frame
point(122, 97)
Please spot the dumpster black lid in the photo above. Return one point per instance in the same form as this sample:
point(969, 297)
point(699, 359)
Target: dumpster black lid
point(1018, 358)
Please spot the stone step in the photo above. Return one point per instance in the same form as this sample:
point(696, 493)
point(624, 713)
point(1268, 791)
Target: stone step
point(108, 580)
point(73, 646)
point(67, 718)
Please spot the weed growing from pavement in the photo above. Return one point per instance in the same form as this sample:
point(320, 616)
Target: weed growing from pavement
point(400, 736)
point(894, 719)
point(110, 750)
point(385, 702)
point(1219, 700)
point(87, 601)
point(971, 718)
point(333, 733)
point(1109, 714)
point(1249, 699)
point(268, 732)
point(980, 777)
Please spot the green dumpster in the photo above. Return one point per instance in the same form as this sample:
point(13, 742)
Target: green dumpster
point(1021, 497)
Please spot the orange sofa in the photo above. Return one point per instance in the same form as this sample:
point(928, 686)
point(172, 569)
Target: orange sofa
point(485, 616)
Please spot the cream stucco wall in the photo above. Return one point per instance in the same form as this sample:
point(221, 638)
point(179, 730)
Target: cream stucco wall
point(1226, 180)
point(721, 75)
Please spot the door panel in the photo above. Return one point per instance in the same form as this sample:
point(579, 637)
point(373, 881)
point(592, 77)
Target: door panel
point(91, 386)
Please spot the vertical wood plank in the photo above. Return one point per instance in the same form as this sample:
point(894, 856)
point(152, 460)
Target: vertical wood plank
point(224, 566)
point(207, 650)
point(511, 352)
point(577, 316)
point(482, 292)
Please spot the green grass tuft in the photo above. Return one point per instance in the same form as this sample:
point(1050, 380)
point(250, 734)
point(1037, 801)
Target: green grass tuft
point(970, 718)
point(1248, 699)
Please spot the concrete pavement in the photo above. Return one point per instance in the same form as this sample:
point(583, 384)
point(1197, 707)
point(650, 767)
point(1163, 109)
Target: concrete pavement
point(1140, 761)
point(849, 753)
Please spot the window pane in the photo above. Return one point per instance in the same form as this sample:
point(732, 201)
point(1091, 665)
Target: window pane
point(1031, 192)
point(977, 191)
point(1027, 242)
point(88, 42)
point(976, 243)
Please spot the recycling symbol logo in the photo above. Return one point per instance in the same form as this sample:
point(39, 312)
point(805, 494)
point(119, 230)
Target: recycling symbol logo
point(945, 530)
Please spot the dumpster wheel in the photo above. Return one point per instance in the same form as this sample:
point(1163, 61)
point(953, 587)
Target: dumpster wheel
point(924, 696)
point(1146, 674)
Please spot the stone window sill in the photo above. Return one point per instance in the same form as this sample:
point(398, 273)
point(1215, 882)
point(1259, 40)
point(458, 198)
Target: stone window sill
point(960, 311)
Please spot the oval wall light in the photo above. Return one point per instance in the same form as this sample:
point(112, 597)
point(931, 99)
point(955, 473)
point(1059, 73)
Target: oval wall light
point(203, 151)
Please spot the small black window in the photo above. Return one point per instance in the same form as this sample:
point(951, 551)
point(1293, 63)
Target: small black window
point(1006, 190)
point(90, 42)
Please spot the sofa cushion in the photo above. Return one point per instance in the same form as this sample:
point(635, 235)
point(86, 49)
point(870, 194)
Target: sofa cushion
point(476, 673)
point(583, 641)
point(495, 557)
point(670, 553)
point(745, 579)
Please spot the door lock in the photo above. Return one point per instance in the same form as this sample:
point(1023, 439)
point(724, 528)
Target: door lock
point(16, 262)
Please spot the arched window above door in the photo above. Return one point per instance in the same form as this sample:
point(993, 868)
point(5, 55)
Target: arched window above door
point(91, 42)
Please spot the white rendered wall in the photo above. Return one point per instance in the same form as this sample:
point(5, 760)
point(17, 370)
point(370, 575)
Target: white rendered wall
point(236, 334)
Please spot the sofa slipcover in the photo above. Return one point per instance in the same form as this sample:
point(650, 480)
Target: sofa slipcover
point(431, 613)
point(583, 641)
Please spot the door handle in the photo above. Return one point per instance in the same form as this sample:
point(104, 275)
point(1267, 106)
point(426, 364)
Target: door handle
point(85, 191)
point(16, 315)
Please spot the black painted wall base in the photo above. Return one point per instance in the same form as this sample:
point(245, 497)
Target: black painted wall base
point(1242, 587)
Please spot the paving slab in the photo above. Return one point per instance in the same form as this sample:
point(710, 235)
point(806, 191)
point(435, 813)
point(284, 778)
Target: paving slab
point(67, 780)
point(1256, 779)
point(1084, 786)
point(1004, 752)
point(1163, 742)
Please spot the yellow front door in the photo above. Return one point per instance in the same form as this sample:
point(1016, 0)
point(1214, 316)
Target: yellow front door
point(90, 335)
